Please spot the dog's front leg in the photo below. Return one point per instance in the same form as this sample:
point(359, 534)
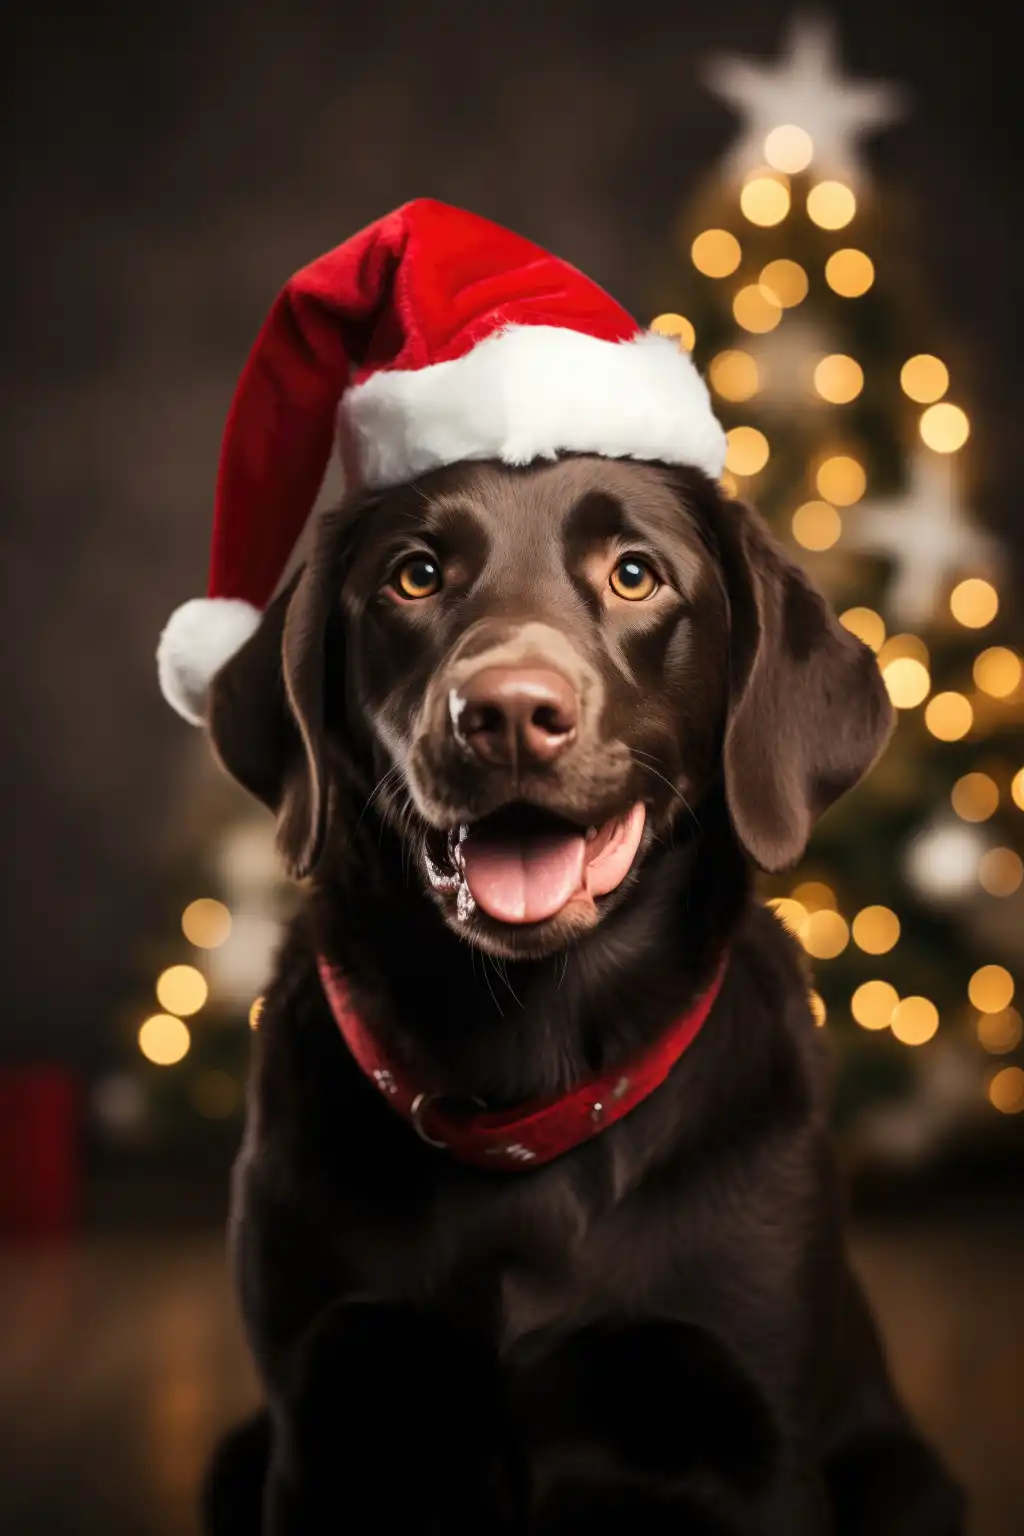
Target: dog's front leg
point(388, 1417)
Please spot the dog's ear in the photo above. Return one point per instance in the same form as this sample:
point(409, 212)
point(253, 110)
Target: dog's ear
point(266, 714)
point(808, 711)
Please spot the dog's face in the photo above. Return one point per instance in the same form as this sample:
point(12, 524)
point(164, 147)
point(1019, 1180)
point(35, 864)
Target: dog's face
point(537, 673)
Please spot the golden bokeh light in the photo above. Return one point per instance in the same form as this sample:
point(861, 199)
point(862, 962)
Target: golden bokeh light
point(765, 200)
point(734, 375)
point(876, 930)
point(1017, 789)
point(998, 671)
point(1000, 1033)
point(907, 682)
point(792, 913)
point(924, 378)
point(819, 1013)
point(716, 253)
point(903, 645)
point(949, 716)
point(206, 923)
point(214, 1094)
point(872, 1004)
point(1006, 1090)
point(678, 327)
point(849, 273)
point(974, 602)
point(841, 480)
point(825, 934)
point(255, 1012)
point(181, 989)
point(729, 483)
point(756, 310)
point(786, 281)
point(746, 450)
point(789, 148)
point(815, 896)
point(944, 428)
point(816, 525)
point(1001, 872)
point(914, 1020)
point(163, 1039)
point(838, 378)
point(866, 624)
point(831, 205)
point(991, 989)
point(975, 797)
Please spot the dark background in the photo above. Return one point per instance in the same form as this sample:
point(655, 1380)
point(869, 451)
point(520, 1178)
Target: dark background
point(165, 169)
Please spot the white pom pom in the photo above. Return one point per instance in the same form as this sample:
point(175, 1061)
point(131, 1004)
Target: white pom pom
point(199, 638)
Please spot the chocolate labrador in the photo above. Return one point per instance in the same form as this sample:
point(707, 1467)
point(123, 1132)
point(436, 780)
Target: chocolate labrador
point(527, 732)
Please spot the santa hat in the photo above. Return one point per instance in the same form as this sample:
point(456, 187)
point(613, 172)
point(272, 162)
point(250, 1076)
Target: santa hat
point(430, 337)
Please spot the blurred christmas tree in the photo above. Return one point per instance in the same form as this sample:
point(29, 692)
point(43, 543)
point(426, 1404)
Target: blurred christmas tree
point(788, 284)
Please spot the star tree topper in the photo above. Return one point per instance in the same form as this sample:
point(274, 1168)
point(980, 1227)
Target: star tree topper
point(806, 89)
point(925, 537)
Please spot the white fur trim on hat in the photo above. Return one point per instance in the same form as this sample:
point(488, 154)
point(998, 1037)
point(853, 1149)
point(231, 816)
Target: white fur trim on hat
point(200, 637)
point(533, 391)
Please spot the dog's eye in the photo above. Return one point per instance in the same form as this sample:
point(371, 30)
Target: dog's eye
point(633, 579)
point(420, 577)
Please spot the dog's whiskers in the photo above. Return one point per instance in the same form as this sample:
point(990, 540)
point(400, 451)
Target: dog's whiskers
point(636, 754)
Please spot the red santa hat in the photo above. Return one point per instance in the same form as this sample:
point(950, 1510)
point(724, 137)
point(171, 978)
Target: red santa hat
point(430, 337)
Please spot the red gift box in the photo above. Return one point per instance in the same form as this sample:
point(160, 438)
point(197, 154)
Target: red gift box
point(39, 1153)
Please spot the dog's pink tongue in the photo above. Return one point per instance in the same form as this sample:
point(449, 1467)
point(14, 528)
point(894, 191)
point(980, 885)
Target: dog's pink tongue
point(523, 880)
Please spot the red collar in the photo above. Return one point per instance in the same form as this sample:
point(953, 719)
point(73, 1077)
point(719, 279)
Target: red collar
point(536, 1132)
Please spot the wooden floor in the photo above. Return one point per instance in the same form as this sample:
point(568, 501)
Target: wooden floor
point(121, 1361)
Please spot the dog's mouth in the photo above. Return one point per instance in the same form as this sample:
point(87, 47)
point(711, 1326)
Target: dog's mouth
point(522, 864)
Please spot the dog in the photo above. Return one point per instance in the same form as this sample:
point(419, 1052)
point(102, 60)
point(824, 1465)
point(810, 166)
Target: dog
point(527, 733)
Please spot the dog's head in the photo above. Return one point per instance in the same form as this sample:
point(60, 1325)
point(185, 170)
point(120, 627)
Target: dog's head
point(534, 674)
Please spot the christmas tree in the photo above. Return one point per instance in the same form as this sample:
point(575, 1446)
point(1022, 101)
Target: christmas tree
point(788, 282)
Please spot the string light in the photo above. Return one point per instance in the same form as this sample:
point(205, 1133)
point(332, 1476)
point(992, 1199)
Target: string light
point(838, 378)
point(746, 450)
point(789, 148)
point(876, 930)
point(206, 923)
point(949, 716)
point(1001, 872)
point(872, 1004)
point(786, 281)
point(816, 525)
point(975, 797)
point(942, 862)
point(849, 273)
point(765, 200)
point(990, 989)
point(1017, 789)
point(924, 378)
point(1000, 1033)
point(255, 1012)
point(819, 1013)
point(997, 671)
point(716, 253)
point(792, 913)
point(734, 375)
point(907, 682)
point(831, 205)
point(944, 428)
point(815, 896)
point(974, 603)
point(1006, 1090)
point(914, 1020)
point(825, 934)
point(903, 645)
point(163, 1039)
point(866, 624)
point(756, 310)
point(181, 989)
point(841, 480)
point(678, 328)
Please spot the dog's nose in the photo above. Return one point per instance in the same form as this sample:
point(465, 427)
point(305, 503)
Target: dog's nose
point(510, 714)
